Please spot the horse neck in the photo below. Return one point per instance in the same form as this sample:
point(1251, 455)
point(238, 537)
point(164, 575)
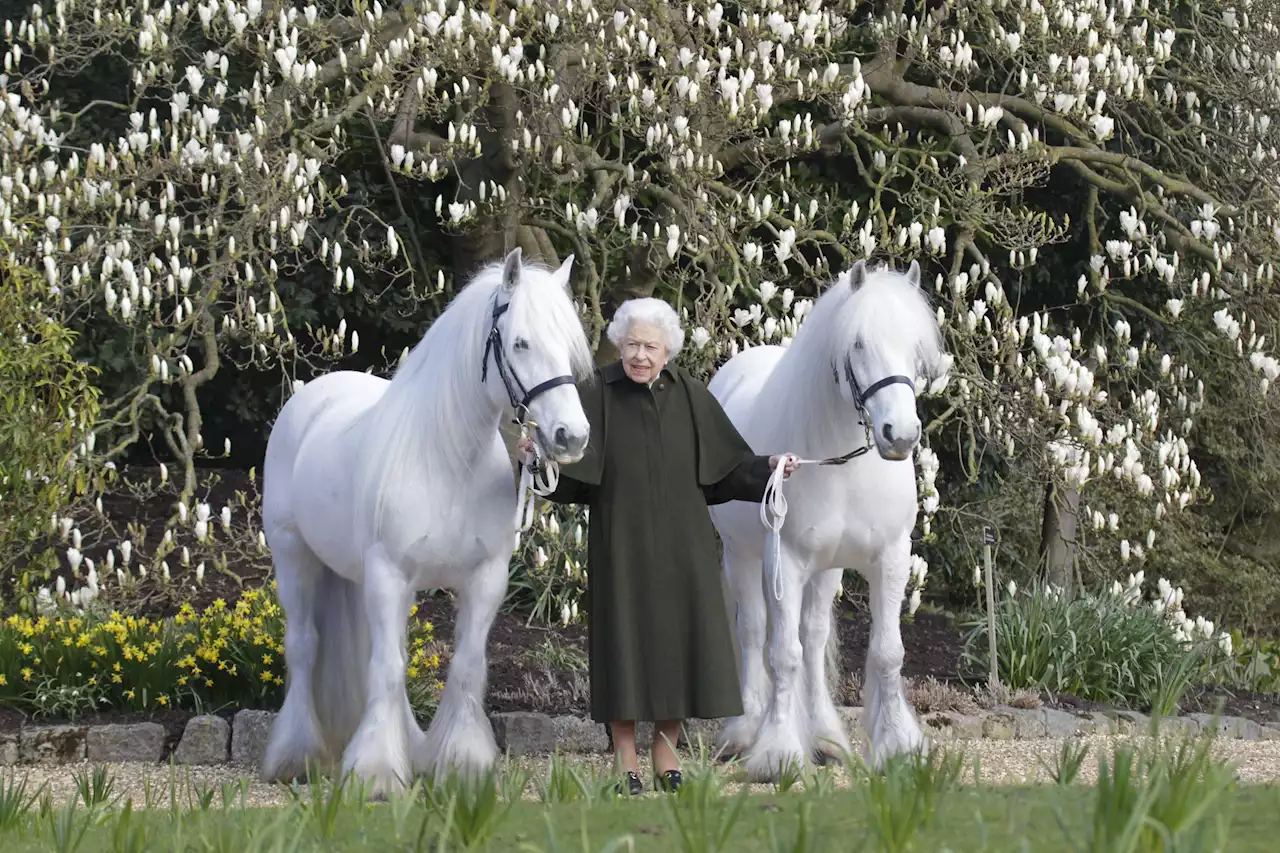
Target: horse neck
point(436, 412)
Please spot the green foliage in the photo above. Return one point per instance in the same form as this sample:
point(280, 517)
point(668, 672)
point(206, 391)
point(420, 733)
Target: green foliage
point(548, 576)
point(1066, 765)
point(1105, 647)
point(200, 661)
point(47, 402)
point(902, 799)
point(1172, 797)
point(1167, 799)
point(1254, 666)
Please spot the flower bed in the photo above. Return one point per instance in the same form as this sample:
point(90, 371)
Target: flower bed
point(222, 656)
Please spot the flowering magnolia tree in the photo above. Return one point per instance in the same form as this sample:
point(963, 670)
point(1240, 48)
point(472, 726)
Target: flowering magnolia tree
point(1090, 184)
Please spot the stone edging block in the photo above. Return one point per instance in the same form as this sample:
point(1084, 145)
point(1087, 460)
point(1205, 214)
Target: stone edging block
point(210, 739)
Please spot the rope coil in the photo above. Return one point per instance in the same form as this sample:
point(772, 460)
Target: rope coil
point(539, 477)
point(773, 514)
point(773, 506)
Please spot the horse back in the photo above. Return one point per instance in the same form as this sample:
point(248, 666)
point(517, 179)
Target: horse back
point(737, 384)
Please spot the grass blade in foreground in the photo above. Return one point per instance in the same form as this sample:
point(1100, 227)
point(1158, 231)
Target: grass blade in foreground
point(1163, 799)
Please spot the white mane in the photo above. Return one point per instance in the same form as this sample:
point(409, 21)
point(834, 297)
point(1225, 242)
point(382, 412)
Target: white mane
point(436, 416)
point(888, 315)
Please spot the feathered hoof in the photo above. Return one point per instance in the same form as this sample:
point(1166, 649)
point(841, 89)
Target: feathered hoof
point(467, 750)
point(912, 741)
point(774, 754)
point(379, 783)
point(289, 773)
point(736, 737)
point(831, 748)
point(290, 763)
point(377, 761)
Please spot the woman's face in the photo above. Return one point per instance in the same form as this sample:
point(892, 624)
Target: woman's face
point(644, 352)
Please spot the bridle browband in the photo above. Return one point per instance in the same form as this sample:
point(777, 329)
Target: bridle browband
point(519, 396)
point(860, 399)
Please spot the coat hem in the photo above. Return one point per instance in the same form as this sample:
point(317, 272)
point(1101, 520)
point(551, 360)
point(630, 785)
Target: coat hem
point(651, 717)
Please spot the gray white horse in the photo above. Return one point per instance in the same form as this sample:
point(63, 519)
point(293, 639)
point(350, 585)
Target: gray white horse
point(375, 489)
point(844, 386)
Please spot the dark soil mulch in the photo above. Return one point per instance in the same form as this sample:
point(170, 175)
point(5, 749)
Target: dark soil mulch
point(525, 676)
point(140, 504)
point(218, 489)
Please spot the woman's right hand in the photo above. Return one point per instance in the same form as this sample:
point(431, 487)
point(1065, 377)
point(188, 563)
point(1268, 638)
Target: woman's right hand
point(524, 450)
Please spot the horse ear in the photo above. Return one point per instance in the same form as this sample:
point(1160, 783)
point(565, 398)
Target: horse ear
point(511, 270)
point(564, 272)
point(913, 273)
point(857, 275)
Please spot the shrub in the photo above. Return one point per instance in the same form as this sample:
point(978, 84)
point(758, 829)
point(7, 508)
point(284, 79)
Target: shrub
point(548, 573)
point(224, 656)
point(46, 403)
point(1103, 647)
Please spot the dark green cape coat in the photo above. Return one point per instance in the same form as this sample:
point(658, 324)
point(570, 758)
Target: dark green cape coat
point(658, 631)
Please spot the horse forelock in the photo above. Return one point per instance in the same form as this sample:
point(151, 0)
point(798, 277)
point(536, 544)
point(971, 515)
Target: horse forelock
point(890, 317)
point(543, 311)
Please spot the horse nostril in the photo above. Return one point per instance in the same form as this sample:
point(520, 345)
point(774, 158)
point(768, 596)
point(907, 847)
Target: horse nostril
point(887, 432)
point(562, 437)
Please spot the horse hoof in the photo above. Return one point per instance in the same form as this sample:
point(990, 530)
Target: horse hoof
point(772, 764)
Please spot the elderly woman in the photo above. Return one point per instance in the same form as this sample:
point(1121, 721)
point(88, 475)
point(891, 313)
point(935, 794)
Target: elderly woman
point(661, 450)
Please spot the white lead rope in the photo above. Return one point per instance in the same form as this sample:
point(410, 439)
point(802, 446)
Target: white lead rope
point(773, 507)
point(538, 478)
point(773, 514)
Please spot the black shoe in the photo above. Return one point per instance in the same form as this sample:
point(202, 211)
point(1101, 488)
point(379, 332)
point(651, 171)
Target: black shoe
point(669, 782)
point(634, 786)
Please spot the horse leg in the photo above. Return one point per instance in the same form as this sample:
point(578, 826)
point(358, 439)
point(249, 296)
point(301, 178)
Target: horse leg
point(889, 720)
point(417, 739)
point(782, 740)
point(460, 737)
point(739, 732)
point(817, 628)
point(379, 750)
point(297, 738)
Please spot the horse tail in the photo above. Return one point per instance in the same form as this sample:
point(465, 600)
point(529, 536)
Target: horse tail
point(833, 670)
point(342, 661)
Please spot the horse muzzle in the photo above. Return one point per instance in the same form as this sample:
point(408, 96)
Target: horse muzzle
point(564, 445)
point(895, 446)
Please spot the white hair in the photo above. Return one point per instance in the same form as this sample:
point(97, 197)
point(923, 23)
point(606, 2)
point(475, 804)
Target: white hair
point(653, 312)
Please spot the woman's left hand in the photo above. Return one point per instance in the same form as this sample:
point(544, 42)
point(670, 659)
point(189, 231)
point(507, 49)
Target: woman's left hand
point(788, 461)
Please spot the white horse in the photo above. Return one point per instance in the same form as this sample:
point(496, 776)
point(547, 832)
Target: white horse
point(846, 381)
point(376, 489)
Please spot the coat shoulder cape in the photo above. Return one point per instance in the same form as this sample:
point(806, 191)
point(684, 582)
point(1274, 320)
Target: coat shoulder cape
point(720, 447)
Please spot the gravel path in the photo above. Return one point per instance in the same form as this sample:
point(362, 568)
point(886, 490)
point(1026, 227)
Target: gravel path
point(1002, 762)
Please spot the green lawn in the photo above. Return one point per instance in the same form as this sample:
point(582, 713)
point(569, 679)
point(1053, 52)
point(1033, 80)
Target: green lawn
point(1039, 818)
point(1166, 797)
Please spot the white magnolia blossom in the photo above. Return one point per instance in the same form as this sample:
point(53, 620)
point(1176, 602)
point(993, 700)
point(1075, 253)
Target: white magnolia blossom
point(696, 95)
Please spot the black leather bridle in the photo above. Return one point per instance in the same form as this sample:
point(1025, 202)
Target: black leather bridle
point(519, 396)
point(860, 399)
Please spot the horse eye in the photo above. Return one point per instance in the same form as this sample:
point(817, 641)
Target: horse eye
point(520, 344)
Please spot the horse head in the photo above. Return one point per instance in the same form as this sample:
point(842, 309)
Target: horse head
point(538, 347)
point(892, 338)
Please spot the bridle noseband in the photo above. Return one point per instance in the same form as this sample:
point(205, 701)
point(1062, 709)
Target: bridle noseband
point(519, 396)
point(860, 399)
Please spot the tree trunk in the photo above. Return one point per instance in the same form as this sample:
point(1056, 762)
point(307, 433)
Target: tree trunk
point(1058, 535)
